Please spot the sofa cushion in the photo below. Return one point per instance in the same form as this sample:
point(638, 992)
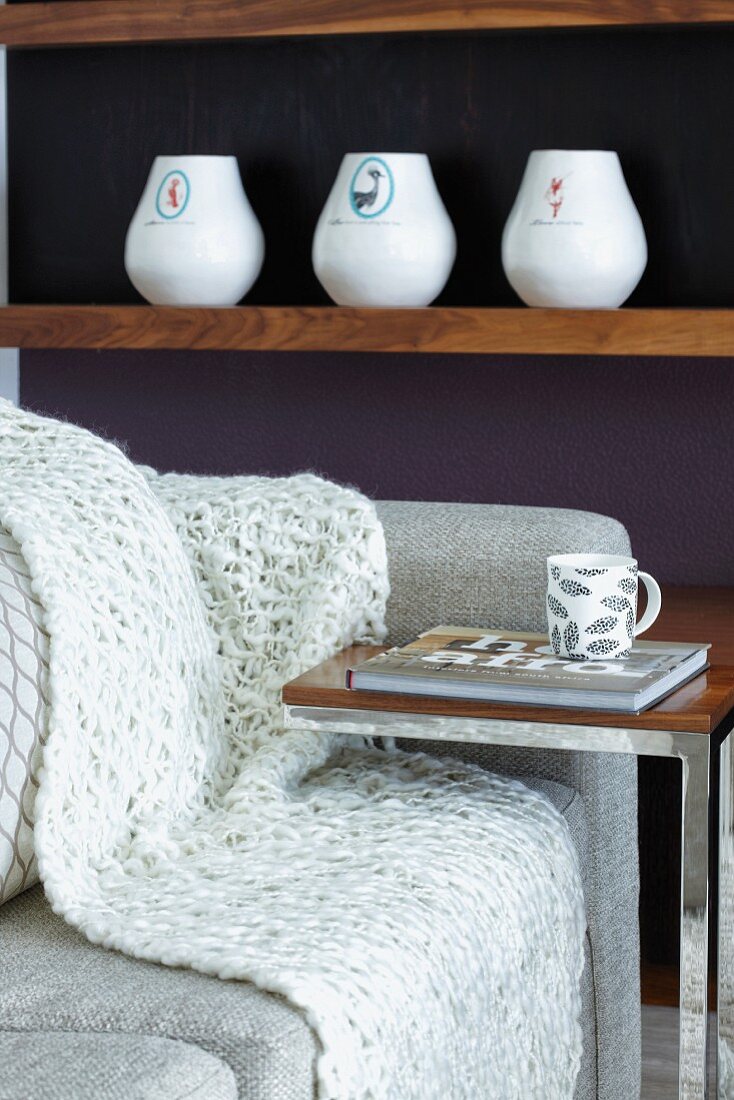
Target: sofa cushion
point(52, 979)
point(23, 668)
point(62, 1065)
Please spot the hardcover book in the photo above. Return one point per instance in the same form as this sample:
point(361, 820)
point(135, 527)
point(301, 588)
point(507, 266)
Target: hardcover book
point(504, 667)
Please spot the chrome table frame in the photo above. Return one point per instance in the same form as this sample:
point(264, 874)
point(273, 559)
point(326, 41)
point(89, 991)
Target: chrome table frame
point(695, 751)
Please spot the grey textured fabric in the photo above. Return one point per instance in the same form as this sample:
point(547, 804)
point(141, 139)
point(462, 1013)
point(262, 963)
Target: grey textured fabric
point(62, 1065)
point(484, 565)
point(481, 564)
point(571, 805)
point(53, 979)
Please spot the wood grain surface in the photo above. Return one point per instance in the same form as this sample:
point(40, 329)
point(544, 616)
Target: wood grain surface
point(698, 614)
point(660, 985)
point(697, 707)
point(671, 332)
point(67, 22)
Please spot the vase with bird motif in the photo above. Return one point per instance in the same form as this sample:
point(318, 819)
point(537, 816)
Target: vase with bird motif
point(384, 237)
point(194, 239)
point(574, 238)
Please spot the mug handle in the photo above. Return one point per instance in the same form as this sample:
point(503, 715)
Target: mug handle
point(654, 603)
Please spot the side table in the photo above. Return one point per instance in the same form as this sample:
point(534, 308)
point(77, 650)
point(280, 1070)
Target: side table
point(693, 725)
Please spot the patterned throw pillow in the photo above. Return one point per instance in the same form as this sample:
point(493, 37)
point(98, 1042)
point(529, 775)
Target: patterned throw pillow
point(23, 674)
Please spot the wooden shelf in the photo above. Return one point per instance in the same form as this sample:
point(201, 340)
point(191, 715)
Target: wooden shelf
point(668, 332)
point(69, 22)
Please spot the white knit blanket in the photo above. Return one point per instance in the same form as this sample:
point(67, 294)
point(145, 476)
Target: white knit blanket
point(425, 916)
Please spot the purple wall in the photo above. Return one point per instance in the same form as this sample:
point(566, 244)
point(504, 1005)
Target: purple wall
point(646, 440)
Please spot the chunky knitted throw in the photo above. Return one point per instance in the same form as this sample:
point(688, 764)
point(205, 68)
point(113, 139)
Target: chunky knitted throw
point(425, 916)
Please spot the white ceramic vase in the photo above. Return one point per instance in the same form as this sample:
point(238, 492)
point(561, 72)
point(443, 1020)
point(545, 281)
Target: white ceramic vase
point(194, 239)
point(574, 238)
point(384, 237)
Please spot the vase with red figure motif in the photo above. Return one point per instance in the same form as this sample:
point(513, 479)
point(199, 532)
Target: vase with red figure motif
point(574, 238)
point(194, 239)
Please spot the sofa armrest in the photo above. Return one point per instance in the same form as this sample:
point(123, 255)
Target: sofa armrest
point(481, 564)
point(484, 565)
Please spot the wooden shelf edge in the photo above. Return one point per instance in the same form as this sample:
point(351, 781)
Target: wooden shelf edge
point(105, 22)
point(630, 332)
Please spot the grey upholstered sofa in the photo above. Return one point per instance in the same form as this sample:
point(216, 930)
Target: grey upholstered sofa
point(78, 1022)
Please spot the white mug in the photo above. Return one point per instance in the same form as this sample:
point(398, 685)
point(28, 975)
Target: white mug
point(592, 605)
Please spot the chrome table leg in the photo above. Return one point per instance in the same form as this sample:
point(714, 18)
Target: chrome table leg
point(692, 1065)
point(725, 994)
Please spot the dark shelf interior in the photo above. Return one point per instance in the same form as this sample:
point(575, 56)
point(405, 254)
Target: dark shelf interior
point(289, 109)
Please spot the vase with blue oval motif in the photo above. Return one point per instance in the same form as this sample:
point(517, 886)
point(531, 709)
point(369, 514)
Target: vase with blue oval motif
point(384, 237)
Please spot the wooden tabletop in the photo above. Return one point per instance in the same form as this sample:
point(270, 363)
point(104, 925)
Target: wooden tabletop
point(697, 615)
point(697, 707)
point(689, 614)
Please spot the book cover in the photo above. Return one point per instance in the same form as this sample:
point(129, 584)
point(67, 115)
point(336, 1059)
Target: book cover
point(502, 664)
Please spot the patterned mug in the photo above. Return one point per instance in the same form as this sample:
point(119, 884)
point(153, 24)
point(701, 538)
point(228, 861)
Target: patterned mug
point(592, 605)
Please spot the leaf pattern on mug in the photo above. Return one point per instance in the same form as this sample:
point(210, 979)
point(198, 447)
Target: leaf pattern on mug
point(555, 572)
point(603, 625)
point(571, 637)
point(602, 647)
point(632, 569)
point(628, 585)
point(630, 623)
point(556, 640)
point(591, 572)
point(557, 607)
point(616, 603)
point(574, 588)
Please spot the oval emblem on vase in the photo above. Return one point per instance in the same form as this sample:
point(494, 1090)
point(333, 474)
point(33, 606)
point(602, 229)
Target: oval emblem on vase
point(173, 195)
point(372, 188)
